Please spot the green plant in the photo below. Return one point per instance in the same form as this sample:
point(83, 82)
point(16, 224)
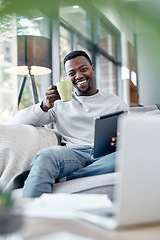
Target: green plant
point(6, 201)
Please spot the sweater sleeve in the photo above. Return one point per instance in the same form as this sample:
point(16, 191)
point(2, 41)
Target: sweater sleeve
point(34, 116)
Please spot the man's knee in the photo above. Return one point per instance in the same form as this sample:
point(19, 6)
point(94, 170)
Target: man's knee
point(47, 155)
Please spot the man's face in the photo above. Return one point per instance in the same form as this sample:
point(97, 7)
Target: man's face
point(81, 73)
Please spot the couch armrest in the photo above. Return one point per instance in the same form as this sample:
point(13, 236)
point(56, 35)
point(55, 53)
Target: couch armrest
point(148, 110)
point(18, 145)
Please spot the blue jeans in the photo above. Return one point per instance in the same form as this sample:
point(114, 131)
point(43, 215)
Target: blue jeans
point(56, 162)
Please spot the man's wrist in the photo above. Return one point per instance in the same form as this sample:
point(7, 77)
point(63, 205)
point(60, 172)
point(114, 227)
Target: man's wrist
point(44, 108)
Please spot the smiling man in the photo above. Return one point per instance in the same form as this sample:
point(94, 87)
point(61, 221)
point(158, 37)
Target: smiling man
point(74, 120)
point(81, 73)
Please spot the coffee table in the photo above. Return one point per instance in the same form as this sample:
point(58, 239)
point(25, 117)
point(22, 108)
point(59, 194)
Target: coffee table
point(36, 227)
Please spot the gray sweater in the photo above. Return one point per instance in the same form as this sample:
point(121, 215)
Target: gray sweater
point(74, 119)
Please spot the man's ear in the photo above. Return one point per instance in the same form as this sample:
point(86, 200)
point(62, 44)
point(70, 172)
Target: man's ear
point(93, 68)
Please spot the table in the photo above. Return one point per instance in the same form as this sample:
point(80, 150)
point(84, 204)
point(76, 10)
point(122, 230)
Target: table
point(37, 227)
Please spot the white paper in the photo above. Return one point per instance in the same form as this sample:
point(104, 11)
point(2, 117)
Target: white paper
point(65, 205)
point(62, 236)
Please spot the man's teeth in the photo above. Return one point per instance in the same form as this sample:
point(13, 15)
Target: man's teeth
point(79, 83)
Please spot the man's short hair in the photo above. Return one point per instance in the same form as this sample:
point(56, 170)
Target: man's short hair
point(75, 54)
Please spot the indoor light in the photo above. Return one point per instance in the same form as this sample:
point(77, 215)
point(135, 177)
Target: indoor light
point(75, 6)
point(33, 58)
point(124, 73)
point(134, 78)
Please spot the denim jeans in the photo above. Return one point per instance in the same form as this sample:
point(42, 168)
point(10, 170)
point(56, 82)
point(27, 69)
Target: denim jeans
point(56, 162)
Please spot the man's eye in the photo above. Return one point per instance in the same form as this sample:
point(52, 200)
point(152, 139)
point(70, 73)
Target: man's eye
point(71, 74)
point(83, 69)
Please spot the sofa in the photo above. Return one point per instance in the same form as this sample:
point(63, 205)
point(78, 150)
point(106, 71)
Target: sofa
point(19, 143)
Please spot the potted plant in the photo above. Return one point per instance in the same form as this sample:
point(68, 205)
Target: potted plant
point(10, 217)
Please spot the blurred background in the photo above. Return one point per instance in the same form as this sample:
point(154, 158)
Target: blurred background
point(121, 36)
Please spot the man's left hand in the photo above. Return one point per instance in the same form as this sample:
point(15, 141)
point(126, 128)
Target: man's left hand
point(114, 141)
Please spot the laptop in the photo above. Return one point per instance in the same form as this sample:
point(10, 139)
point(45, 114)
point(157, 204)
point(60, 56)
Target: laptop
point(105, 128)
point(137, 196)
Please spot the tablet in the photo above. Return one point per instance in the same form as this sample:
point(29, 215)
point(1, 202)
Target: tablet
point(105, 129)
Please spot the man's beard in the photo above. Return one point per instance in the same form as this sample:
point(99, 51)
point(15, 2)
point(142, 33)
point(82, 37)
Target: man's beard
point(85, 91)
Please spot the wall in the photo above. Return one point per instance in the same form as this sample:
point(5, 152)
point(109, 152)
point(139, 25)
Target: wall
point(148, 52)
point(148, 57)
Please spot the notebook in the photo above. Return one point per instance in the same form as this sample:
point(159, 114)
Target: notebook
point(137, 196)
point(105, 128)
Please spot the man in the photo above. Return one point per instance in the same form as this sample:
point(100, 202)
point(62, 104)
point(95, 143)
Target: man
point(74, 120)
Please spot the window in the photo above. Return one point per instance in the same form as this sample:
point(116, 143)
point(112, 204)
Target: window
point(10, 83)
point(65, 47)
point(77, 27)
point(108, 75)
point(78, 18)
point(107, 40)
point(92, 34)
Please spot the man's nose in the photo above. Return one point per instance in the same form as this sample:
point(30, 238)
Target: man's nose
point(79, 75)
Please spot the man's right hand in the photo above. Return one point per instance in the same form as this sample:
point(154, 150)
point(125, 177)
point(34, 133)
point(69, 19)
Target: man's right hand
point(51, 96)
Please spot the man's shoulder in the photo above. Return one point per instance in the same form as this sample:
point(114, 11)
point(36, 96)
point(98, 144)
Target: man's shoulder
point(115, 99)
point(108, 94)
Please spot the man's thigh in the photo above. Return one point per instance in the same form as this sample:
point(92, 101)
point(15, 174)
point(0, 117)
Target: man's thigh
point(59, 161)
point(105, 164)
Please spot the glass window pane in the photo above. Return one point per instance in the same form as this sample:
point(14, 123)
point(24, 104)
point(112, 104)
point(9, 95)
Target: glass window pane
point(65, 47)
point(107, 41)
point(80, 47)
point(12, 26)
point(33, 26)
point(8, 83)
point(77, 17)
point(107, 75)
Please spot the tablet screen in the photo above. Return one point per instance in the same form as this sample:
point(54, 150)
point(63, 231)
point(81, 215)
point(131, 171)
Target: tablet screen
point(105, 129)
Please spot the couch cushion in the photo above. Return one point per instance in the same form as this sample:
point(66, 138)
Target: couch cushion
point(95, 184)
point(100, 184)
